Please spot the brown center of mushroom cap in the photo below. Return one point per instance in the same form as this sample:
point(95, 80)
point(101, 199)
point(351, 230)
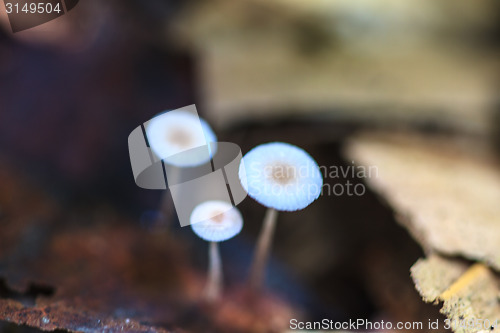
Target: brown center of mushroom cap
point(179, 137)
point(282, 173)
point(218, 217)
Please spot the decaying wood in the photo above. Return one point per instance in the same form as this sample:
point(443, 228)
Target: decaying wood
point(299, 61)
point(446, 194)
point(469, 293)
point(95, 270)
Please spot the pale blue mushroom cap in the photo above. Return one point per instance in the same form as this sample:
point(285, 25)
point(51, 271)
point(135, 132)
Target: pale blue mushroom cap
point(216, 221)
point(281, 176)
point(175, 132)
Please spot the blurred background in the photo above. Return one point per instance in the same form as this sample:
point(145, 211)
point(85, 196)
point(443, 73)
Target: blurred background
point(311, 73)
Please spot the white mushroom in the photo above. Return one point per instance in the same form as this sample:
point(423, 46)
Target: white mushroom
point(178, 131)
point(215, 221)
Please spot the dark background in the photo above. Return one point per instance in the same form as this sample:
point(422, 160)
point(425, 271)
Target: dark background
point(70, 95)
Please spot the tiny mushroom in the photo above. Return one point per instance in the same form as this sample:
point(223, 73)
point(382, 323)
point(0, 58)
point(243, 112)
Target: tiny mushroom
point(179, 131)
point(215, 221)
point(282, 177)
point(178, 138)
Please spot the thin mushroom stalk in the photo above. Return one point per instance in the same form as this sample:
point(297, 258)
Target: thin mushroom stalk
point(213, 289)
point(167, 208)
point(263, 249)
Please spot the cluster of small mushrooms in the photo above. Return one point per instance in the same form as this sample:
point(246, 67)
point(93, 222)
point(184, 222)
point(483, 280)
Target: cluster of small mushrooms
point(280, 176)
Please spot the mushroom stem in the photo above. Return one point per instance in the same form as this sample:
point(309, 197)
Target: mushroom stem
point(167, 211)
point(213, 288)
point(167, 207)
point(263, 249)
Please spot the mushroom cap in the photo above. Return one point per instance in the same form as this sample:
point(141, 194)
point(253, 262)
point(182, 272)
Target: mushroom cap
point(216, 221)
point(178, 131)
point(281, 176)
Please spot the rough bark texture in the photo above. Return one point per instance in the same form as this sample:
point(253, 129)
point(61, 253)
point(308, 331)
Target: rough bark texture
point(446, 194)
